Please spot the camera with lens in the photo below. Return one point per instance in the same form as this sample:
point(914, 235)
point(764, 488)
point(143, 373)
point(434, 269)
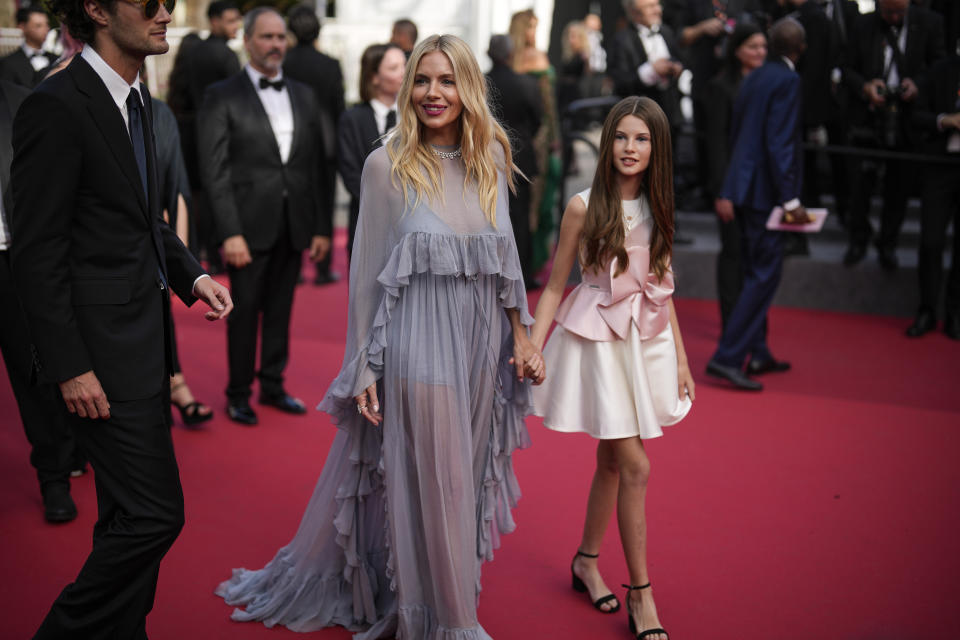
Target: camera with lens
point(888, 117)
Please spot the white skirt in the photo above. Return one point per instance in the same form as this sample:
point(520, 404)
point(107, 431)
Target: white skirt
point(617, 389)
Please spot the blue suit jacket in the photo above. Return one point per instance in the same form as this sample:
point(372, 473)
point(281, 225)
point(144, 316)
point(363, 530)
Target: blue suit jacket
point(766, 164)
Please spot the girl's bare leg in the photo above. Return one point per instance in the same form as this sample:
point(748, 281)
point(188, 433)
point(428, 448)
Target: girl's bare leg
point(600, 504)
point(634, 466)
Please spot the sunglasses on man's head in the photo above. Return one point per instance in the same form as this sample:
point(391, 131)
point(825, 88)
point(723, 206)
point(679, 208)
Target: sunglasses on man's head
point(150, 7)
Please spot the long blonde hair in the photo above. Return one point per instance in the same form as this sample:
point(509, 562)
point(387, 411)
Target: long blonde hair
point(519, 24)
point(415, 166)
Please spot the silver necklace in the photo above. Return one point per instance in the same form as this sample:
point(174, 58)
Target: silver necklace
point(446, 155)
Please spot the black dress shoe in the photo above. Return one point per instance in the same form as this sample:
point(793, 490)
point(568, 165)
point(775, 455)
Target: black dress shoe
point(951, 327)
point(326, 277)
point(888, 258)
point(284, 402)
point(759, 367)
point(733, 375)
point(855, 253)
point(241, 413)
point(924, 322)
point(58, 506)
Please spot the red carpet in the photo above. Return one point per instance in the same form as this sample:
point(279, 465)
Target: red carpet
point(827, 506)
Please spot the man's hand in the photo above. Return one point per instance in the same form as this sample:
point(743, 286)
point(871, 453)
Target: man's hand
point(667, 68)
point(85, 397)
point(236, 251)
point(216, 296)
point(910, 90)
point(724, 209)
point(710, 27)
point(951, 121)
point(319, 247)
point(873, 90)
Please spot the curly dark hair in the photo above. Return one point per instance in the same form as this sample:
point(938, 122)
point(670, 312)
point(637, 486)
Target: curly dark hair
point(72, 14)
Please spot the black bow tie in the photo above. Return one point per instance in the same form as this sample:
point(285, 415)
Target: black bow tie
point(275, 84)
point(654, 30)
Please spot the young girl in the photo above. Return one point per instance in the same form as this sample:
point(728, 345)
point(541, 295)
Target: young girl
point(616, 368)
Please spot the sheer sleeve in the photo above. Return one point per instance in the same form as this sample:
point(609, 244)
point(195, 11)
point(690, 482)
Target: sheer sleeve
point(381, 205)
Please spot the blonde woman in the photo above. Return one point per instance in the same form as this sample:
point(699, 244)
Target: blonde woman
point(530, 60)
point(418, 485)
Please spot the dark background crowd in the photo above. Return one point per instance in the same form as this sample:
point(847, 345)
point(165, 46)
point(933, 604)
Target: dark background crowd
point(879, 105)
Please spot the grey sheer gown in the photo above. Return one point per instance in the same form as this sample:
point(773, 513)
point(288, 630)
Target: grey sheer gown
point(404, 514)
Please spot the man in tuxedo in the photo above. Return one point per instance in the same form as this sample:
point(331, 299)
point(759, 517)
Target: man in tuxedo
point(208, 61)
point(321, 72)
point(889, 50)
point(261, 155)
point(94, 265)
point(515, 99)
point(28, 64)
point(644, 58)
point(41, 410)
point(765, 170)
point(937, 116)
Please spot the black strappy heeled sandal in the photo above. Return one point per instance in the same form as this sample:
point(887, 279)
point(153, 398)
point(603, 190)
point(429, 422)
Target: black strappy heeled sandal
point(633, 623)
point(580, 587)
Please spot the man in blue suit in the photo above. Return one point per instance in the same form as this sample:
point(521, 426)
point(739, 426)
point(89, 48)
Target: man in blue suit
point(765, 170)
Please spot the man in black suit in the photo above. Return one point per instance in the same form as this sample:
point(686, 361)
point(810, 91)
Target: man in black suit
point(643, 59)
point(515, 99)
point(28, 64)
point(41, 410)
point(261, 150)
point(208, 61)
point(937, 116)
point(321, 72)
point(765, 170)
point(94, 264)
point(890, 48)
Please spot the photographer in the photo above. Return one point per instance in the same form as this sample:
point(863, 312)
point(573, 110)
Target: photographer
point(888, 49)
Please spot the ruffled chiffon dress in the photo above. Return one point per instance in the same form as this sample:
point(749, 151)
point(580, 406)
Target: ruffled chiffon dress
point(612, 360)
point(404, 514)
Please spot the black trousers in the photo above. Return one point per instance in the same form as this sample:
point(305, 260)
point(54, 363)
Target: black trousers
point(519, 204)
point(261, 290)
point(941, 204)
point(42, 410)
point(140, 514)
point(898, 177)
point(729, 268)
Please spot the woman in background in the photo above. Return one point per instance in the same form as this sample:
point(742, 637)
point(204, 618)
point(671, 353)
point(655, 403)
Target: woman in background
point(363, 126)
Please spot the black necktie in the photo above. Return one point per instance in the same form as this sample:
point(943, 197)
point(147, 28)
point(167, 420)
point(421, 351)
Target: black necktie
point(134, 113)
point(271, 84)
point(391, 120)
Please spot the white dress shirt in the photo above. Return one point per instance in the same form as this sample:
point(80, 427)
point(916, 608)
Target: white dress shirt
point(119, 90)
point(38, 61)
point(279, 110)
point(4, 229)
point(656, 48)
point(893, 78)
point(380, 112)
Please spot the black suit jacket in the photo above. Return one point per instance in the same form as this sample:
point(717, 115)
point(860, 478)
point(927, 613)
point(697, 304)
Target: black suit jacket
point(721, 94)
point(16, 68)
point(90, 245)
point(626, 56)
point(939, 93)
point(817, 63)
point(357, 136)
point(865, 51)
point(11, 97)
point(242, 171)
point(321, 73)
point(515, 100)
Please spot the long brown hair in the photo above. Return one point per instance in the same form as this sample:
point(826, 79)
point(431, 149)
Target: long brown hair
point(603, 230)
